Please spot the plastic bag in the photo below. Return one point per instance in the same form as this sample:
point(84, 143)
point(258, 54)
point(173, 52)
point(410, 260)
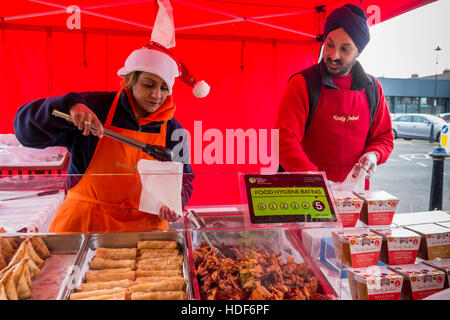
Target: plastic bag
point(355, 181)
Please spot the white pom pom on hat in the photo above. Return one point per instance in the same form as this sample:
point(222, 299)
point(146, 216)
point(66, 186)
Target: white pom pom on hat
point(155, 58)
point(201, 89)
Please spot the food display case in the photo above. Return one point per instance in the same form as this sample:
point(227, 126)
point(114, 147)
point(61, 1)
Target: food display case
point(216, 252)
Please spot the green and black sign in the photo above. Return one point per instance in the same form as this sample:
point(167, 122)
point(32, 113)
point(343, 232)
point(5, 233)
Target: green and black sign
point(293, 197)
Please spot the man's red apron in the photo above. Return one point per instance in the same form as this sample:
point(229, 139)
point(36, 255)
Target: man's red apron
point(106, 199)
point(336, 138)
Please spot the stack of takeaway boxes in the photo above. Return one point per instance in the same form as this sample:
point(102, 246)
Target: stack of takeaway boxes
point(403, 257)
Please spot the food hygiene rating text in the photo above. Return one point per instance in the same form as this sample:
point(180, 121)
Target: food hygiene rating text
point(235, 309)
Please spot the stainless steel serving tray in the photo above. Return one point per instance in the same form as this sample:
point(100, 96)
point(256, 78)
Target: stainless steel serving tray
point(65, 250)
point(121, 240)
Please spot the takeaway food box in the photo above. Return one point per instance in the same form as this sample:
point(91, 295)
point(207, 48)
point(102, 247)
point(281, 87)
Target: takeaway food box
point(374, 283)
point(435, 241)
point(420, 280)
point(348, 206)
point(356, 247)
point(378, 209)
point(400, 246)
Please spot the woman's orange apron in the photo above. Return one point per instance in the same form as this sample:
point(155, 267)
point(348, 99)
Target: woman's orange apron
point(106, 199)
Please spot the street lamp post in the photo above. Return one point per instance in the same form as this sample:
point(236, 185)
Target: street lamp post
point(435, 82)
point(439, 154)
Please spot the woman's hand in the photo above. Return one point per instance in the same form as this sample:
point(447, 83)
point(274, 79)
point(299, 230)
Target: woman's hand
point(166, 214)
point(84, 118)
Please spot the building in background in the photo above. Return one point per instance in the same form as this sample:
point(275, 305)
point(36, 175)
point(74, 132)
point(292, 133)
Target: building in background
point(417, 94)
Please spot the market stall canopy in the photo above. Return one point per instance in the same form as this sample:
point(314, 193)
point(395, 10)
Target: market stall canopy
point(245, 49)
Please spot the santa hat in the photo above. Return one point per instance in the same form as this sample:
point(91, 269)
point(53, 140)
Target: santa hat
point(157, 59)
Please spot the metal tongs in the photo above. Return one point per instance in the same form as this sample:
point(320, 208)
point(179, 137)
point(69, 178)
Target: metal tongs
point(199, 223)
point(157, 152)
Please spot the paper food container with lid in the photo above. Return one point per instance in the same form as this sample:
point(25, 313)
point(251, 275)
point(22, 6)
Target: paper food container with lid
point(356, 247)
point(348, 207)
point(378, 209)
point(420, 280)
point(444, 266)
point(400, 246)
point(374, 283)
point(435, 241)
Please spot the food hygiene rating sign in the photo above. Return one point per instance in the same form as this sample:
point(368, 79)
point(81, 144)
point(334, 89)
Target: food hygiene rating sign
point(301, 197)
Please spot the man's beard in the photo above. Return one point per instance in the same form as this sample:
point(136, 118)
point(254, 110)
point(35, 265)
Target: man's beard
point(338, 69)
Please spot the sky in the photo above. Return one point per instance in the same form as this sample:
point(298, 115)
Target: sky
point(406, 44)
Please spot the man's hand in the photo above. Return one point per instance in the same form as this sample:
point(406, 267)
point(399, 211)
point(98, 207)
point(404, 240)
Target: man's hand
point(84, 118)
point(368, 163)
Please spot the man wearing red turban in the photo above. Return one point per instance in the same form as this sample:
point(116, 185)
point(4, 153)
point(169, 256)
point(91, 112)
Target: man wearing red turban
point(334, 115)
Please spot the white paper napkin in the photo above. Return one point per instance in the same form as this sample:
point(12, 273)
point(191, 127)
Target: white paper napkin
point(161, 185)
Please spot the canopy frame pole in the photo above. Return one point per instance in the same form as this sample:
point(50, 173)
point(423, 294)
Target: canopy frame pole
point(249, 19)
point(108, 17)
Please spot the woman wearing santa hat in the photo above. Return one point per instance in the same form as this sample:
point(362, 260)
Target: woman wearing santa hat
point(104, 191)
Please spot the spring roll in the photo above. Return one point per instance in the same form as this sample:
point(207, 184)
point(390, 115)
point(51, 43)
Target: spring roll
point(157, 244)
point(96, 293)
point(116, 254)
point(152, 251)
point(155, 279)
point(112, 270)
point(159, 267)
point(95, 276)
point(149, 255)
point(159, 295)
point(158, 273)
point(168, 284)
point(117, 296)
point(165, 260)
point(100, 263)
point(105, 285)
point(40, 247)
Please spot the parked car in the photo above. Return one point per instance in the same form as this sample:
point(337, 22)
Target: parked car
point(417, 126)
point(445, 116)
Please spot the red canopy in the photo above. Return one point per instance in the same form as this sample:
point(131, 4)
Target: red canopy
point(245, 49)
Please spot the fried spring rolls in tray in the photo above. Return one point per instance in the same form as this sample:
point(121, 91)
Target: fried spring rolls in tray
point(100, 263)
point(159, 295)
point(118, 296)
point(168, 284)
point(156, 279)
point(96, 293)
point(105, 285)
point(116, 254)
point(157, 244)
point(98, 276)
point(158, 273)
point(159, 267)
